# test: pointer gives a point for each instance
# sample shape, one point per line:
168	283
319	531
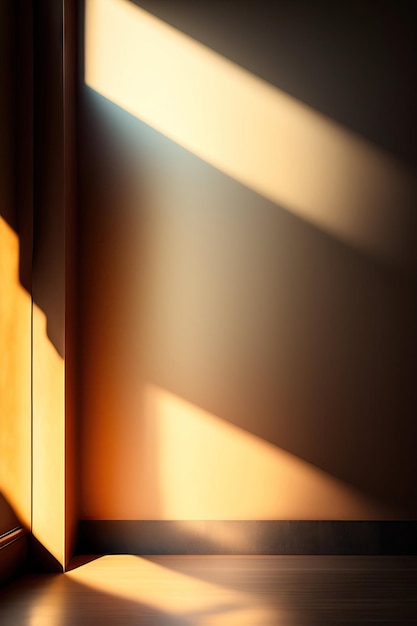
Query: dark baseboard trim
247	537
13	555
12	535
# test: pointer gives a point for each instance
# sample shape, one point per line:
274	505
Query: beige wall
237	359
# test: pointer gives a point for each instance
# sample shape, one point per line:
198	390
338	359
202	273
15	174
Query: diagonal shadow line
298	437
343	47
164	381
331	178
38	156
24	121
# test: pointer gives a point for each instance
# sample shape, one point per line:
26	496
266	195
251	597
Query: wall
54	500
15	326
37	184
15	303
240	357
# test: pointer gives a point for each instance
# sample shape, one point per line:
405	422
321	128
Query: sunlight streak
48	440
15	379
209	468
197	466
250	130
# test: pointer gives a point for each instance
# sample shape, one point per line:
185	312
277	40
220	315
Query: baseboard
247	537
13	554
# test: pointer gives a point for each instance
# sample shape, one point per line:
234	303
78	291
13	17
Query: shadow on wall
198	285
8	518
352	62
12	210
32	266
31	398
30	157
254	133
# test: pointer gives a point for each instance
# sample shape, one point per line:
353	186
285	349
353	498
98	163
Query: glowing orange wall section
15	407
48	440
15	379
176	461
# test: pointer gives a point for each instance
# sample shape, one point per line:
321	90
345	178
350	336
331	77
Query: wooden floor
215	591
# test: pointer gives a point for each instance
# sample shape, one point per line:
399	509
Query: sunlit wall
54	456
37	196
15	380
176	461
48	440
247	302
250	130
15	307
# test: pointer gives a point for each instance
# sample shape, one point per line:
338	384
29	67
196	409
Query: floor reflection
215	591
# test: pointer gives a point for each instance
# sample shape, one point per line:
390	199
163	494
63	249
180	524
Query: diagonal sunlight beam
208	468
31	405
250	130
196	465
